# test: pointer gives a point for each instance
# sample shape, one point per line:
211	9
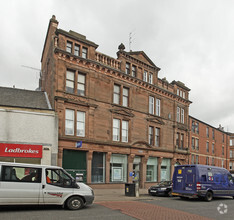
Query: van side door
57	186
20	185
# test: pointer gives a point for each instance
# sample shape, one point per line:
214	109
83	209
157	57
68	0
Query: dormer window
77	50
151	78
127	70
69	47
133	71
145	76
84	52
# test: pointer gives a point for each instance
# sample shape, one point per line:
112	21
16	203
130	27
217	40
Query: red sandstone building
208	145
116	115
231	153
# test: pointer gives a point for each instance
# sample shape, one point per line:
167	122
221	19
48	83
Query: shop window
152	169
98	167
118	168
166	169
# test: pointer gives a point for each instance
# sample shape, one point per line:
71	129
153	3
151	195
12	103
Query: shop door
136	169
75	162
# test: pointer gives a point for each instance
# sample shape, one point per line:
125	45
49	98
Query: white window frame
133	71
151	105
182	115
127	68
178	114
77	50
151	135
124	129
150	78
125	97
80	123
70	81
69	121
69	47
116	98
145	76
81	84
85	52
158	107
157	137
116	129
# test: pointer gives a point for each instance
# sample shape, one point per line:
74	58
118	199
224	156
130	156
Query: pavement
135	207
119	195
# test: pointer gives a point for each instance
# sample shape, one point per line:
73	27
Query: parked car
163	188
202	181
30	184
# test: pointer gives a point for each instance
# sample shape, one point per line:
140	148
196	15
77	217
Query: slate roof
12	97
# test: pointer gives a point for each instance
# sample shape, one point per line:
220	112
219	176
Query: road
149	208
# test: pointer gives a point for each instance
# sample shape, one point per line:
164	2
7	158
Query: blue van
202	181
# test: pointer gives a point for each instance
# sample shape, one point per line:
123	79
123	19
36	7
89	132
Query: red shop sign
20	150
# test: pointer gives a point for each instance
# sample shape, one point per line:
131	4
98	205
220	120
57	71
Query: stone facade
121	112
208	145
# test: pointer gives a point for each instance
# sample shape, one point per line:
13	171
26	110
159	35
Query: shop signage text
20	150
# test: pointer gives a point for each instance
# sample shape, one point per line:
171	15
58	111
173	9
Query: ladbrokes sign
20	150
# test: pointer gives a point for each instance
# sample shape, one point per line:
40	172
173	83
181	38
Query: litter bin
130	189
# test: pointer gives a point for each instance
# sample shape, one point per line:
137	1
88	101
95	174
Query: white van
41	185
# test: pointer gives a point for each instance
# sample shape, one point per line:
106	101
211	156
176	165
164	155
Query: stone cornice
103	69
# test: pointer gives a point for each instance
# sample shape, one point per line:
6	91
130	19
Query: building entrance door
136	168
75	162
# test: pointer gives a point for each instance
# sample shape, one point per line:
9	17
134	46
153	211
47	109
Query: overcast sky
192	41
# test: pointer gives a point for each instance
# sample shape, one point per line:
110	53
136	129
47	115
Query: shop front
21	153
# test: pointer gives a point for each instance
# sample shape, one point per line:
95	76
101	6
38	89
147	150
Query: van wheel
75	203
209	196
